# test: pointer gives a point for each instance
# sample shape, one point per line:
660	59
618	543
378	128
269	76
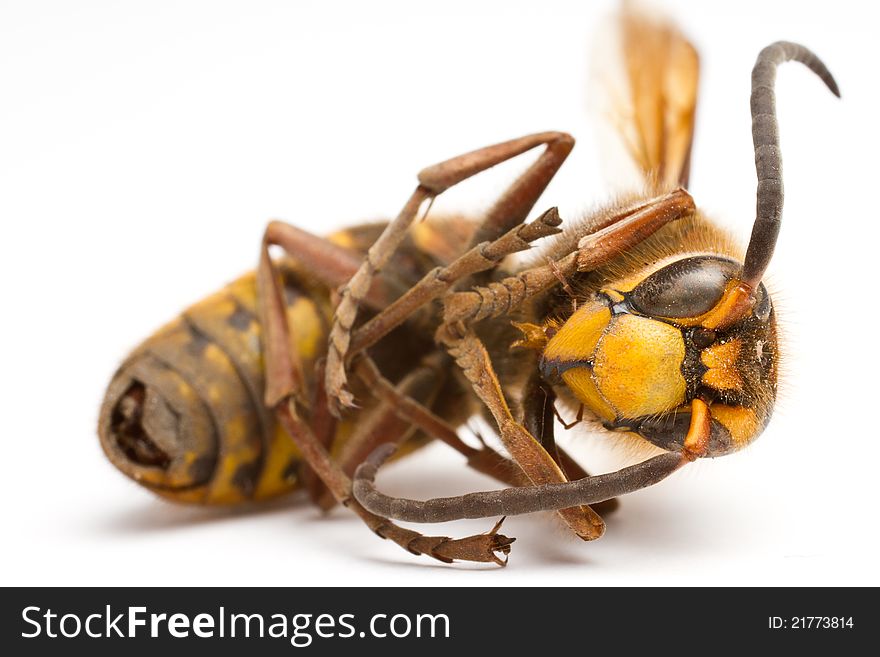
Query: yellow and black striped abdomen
184	416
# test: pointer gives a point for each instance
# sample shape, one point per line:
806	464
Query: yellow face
639	352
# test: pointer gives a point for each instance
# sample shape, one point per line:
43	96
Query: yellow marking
177	476
217	306
222	491
212	379
580	381
189	496
282	451
533	336
637	366
721	355
721	361
428	237
735	304
741	422
696	442
342	238
244	291
306	328
236	429
344	430
577	338
442	237
614	295
218	383
158	477
185	391
629	283
175	484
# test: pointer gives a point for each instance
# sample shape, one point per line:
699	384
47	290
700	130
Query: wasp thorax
638	352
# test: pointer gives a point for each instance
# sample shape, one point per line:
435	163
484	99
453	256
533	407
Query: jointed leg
481	547
285	391
529	499
576	421
333	266
439	280
397	402
482	459
539	466
329	264
323	425
538	415
618	233
382	423
510	211
538	399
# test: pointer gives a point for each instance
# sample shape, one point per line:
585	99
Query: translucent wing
644	87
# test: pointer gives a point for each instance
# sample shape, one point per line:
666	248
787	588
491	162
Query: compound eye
687	288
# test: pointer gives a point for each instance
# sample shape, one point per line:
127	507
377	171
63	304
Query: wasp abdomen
184	414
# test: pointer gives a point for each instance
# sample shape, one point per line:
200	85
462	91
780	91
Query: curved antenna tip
831	83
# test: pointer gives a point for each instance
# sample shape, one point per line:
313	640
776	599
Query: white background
145	144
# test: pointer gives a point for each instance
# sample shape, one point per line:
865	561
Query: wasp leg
538	414
509	211
284	392
613	236
382	423
438	281
333	266
618	233
537	403
478	548
483	459
324	426
471	356
576	421
529	499
324	261
329	263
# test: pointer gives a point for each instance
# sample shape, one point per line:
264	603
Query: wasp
644	318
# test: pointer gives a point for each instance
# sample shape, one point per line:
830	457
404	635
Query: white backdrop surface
143	146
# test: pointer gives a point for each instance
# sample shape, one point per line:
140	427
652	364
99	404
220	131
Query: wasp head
638	354
685	352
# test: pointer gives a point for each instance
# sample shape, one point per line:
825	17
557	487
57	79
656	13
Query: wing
645	75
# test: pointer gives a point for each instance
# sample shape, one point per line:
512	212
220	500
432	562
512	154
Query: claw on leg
479	548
